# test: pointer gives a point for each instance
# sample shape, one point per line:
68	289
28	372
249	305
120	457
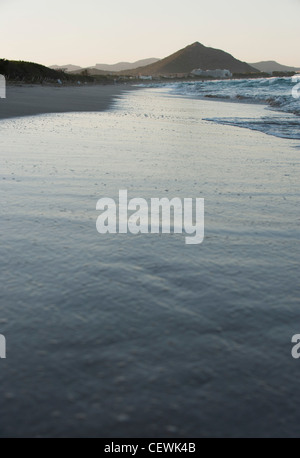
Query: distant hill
67	68
29	72
126	65
192	57
106	68
272	66
90	72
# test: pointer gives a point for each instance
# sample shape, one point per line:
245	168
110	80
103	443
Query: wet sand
118	335
34	100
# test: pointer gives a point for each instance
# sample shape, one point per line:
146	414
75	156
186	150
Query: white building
145	78
213	73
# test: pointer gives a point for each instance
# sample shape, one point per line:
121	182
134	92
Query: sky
95	31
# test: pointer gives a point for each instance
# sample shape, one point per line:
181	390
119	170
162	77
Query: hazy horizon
126	32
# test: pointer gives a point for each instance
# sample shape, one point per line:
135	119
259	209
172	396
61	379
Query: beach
123	335
26	100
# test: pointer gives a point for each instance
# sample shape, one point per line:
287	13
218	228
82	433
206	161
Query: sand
144	336
34	100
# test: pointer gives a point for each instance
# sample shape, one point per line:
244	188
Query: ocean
123	335
281	95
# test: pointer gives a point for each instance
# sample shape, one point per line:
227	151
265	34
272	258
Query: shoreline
34	100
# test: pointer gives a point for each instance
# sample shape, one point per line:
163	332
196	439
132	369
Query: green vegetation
250	75
29	72
283	74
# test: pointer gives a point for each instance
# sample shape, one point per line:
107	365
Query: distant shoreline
28	99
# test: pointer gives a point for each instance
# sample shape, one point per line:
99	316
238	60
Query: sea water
145	336
280	95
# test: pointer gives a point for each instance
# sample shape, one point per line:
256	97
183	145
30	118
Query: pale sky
96	31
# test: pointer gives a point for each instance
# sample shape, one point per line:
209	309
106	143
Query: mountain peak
195	56
197	44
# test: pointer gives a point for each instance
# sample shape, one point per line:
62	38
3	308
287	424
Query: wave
280	126
277	93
